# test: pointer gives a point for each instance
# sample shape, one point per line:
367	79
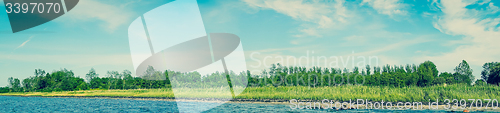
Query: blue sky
398	32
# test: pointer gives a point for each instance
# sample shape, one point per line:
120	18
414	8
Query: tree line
65	80
422	75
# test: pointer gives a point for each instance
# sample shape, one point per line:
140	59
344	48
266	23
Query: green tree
439	80
91	75
4	89
493	76
15	84
38	83
368	70
486	71
427	71
445	75
127	76
464	72
113	77
449	79
82	86
28	84
480	82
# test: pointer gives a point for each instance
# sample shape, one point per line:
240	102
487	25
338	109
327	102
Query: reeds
338	93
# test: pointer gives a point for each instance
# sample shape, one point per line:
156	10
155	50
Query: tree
91	75
464	72
27	84
15	84
127	76
82	86
427	71
439	80
4	89
11	83
112	78
445	75
493	76
480	82
355	70
39	72
368	70
152	74
486	71
449	79
37	82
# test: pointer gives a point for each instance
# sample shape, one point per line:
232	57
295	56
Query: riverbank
338	93
282	95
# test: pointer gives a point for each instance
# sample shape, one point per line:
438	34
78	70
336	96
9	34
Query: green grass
374	93
339	93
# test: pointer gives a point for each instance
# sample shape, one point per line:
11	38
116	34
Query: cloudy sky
95	34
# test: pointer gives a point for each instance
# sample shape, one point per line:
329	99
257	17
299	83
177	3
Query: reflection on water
39	104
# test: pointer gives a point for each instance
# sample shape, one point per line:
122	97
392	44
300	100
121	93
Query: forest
422	75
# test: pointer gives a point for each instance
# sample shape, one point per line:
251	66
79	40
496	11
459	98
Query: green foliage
423	75
4	89
340	93
463	73
480	83
373	93
491	73
439	80
82	86
445	75
426	72
91	75
487	68
64	80
15	84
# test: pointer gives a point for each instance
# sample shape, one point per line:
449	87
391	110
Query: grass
339	93
374	93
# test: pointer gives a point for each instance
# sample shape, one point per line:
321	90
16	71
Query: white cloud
480	35
24	43
387	7
320	18
311	32
297	9
355	38
91	10
397	45
317	15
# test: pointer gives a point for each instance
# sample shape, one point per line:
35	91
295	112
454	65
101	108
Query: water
56	105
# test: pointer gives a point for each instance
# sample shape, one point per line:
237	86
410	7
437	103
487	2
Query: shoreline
263	101
251	101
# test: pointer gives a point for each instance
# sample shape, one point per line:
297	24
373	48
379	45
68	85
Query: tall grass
374	93
338	93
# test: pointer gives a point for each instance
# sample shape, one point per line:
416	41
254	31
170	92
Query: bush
46	90
4	89
480	83
439	80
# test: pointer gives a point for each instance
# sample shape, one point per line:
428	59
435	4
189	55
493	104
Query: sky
325	33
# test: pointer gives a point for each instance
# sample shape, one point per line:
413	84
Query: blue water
56	105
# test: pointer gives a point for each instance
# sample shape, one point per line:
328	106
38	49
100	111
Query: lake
54	105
